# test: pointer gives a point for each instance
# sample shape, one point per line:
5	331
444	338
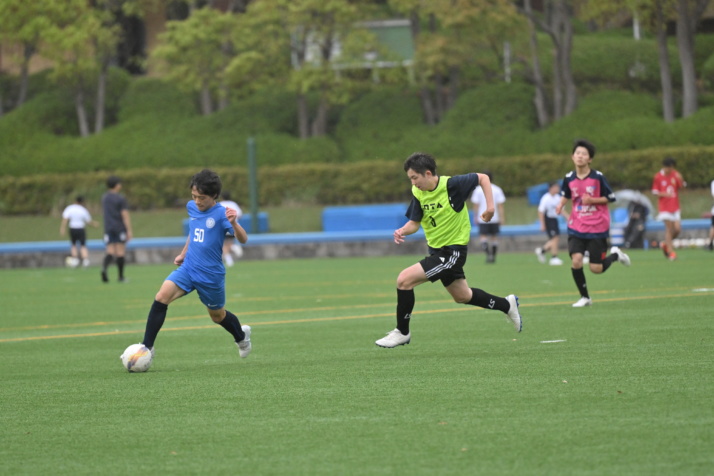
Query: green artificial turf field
622	387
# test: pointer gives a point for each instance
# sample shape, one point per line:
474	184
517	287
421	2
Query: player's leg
120	255
168	293
669	235
110	250
576	249
407	280
82	245
213	296
493	246
462	293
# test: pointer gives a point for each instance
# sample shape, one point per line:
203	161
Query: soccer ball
71	262
137	358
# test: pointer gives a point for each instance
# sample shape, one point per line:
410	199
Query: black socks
405	306
485	300
232	325
156	318
579	277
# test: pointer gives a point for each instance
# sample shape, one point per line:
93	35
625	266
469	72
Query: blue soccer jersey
207	231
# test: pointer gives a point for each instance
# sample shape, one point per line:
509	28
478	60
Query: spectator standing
77	217
117	227
549	224
489	231
665	186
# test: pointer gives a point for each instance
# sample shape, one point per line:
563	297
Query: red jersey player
666	185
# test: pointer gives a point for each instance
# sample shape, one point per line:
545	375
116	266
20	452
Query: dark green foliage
346	183
373	126
153	97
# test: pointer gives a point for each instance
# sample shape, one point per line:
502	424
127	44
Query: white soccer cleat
621	256
514	315
393	339
583	301
244	346
540	254
555	261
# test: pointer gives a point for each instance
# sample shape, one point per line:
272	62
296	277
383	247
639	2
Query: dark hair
113	181
208	182
488	174
583	143
79	199
420	162
669	161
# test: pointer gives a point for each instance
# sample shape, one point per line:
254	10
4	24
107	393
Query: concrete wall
302	245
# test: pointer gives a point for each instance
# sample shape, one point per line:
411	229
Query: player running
439	207
589	221
200	263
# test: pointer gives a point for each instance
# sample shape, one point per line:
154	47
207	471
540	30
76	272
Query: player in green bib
439	207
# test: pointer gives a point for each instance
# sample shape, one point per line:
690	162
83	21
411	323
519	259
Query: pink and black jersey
669	184
588	221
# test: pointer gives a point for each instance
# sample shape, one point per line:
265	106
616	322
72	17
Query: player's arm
559	208
181	256
127	223
409	228
485	184
63	226
502	213
238	231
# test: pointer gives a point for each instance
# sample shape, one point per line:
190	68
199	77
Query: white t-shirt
479	198
233	205
548	203
77	216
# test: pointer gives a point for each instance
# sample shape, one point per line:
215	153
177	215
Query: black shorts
551	227
78	235
489	228
445	264
596	247
114	237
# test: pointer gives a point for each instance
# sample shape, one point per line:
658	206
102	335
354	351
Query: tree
655	14
556	21
689	14
195	53
23	24
652	15
324	40
450	35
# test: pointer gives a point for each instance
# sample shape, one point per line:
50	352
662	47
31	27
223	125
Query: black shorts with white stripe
445	264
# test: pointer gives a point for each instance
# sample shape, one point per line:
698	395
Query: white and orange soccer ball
137	358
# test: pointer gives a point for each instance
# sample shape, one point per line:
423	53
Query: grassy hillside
151	123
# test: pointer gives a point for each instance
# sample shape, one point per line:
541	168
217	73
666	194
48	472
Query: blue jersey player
200	263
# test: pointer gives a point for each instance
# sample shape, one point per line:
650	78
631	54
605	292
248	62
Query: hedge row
332	184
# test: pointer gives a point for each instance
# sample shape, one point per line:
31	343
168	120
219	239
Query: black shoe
105	279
